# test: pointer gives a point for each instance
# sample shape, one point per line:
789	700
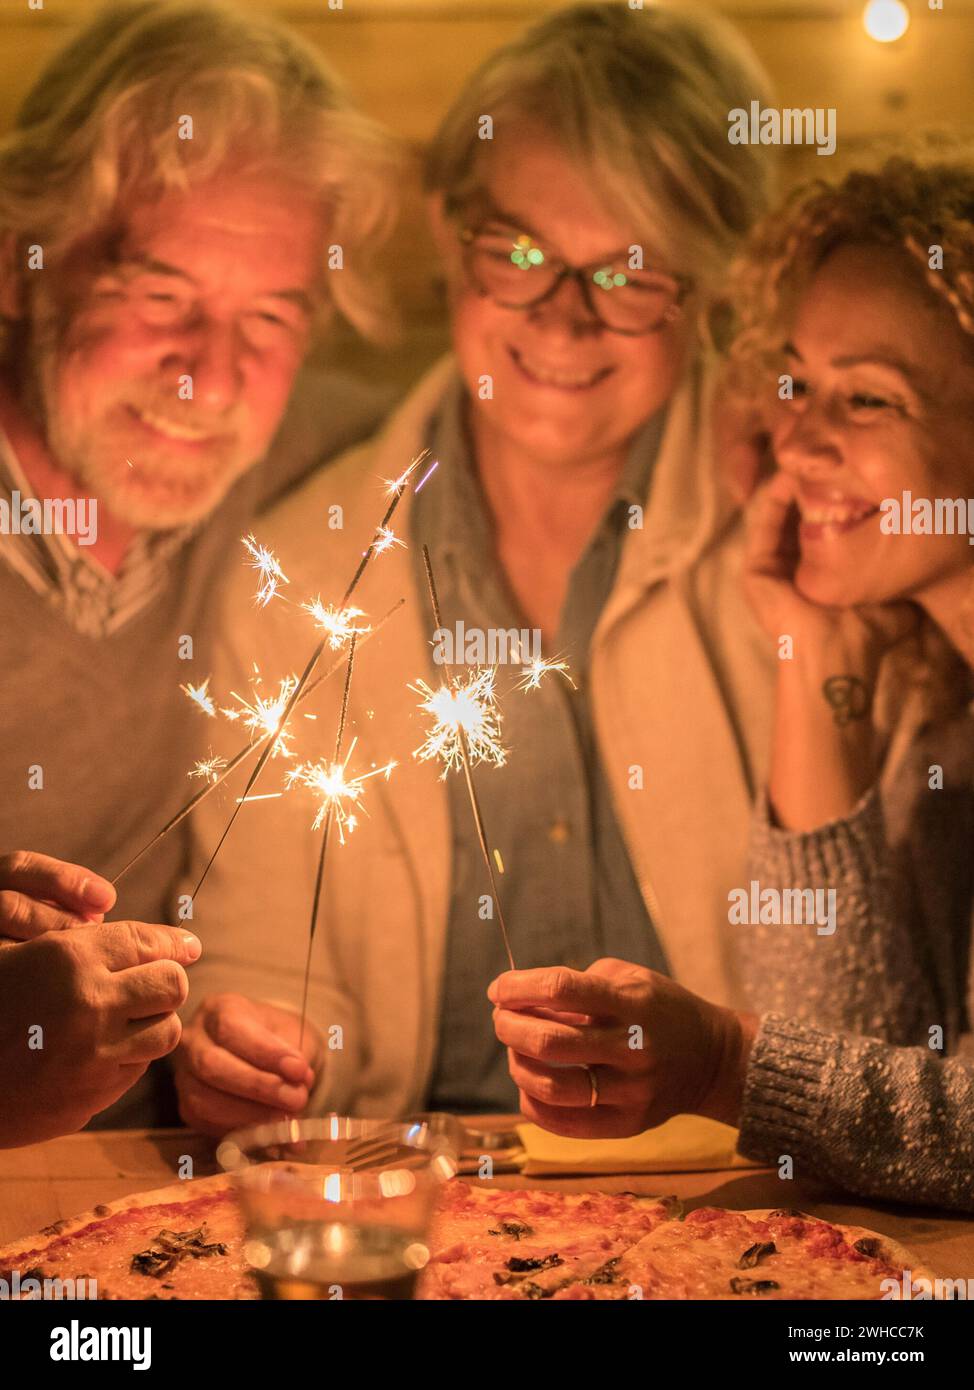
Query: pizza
754	1255
178	1242
524	1243
186	1241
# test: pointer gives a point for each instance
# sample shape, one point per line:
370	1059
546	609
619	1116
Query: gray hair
98	132
641	99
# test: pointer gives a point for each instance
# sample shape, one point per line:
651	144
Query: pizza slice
495	1243
184	1241
766	1254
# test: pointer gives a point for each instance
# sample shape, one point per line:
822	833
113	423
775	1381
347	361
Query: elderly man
175	185
586	202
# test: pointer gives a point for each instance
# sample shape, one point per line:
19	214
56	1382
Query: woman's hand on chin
853	638
826	750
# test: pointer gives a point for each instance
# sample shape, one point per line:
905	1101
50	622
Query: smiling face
565	388
884	404
216	285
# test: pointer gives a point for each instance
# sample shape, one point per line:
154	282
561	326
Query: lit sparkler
396	486
200	695
242	754
263	715
532	674
340	795
270	573
386	540
395	496
333	805
339	624
464	713
208	769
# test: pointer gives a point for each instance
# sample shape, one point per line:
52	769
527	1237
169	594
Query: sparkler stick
224	771
468	775
395	493
329	815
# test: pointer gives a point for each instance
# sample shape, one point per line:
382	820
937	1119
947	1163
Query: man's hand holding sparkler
616	1049
84	1012
39	894
242	1062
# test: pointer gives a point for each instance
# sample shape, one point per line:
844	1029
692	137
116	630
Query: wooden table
45	1182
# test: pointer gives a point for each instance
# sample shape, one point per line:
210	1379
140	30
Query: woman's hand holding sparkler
617	1049
242	1062
84	1013
39	894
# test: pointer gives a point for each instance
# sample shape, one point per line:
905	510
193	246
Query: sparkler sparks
335	640
239	757
270	572
458	723
385	540
394	486
208	769
466	710
263	715
340	794
532	674
200	696
339	624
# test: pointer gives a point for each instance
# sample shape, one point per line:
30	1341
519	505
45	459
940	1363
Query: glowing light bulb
886	20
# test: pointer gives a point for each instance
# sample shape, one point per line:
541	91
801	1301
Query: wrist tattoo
849	697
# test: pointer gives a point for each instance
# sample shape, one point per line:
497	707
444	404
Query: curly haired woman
857	317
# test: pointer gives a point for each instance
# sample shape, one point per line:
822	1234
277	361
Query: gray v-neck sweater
103	719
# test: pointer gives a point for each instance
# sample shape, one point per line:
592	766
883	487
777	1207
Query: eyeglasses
516	273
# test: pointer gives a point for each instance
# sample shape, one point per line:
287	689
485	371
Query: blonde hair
641	100
904	203
98	132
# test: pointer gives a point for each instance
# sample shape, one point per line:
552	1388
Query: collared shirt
568	891
94	601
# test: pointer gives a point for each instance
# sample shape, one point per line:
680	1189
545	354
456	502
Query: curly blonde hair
905	203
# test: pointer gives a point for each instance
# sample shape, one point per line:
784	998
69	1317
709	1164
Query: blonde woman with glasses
586	203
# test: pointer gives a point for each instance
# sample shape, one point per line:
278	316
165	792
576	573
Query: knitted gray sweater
867	1112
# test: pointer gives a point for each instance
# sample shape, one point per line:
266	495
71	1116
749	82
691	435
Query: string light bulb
886	20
